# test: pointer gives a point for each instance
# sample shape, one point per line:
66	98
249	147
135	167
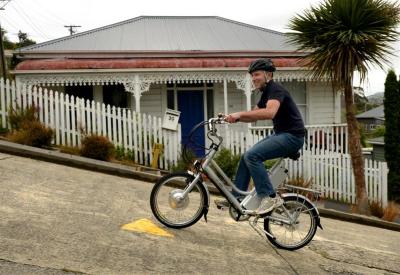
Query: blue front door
191	106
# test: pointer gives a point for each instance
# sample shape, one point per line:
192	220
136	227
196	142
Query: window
171	99
115	95
298	92
210	103
85	92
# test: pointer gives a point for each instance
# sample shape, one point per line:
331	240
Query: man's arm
268	112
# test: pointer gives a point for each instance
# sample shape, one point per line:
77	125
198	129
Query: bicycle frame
209	165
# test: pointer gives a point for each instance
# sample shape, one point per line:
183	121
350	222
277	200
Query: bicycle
179	200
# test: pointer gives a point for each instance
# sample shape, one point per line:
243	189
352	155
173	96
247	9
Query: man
276	104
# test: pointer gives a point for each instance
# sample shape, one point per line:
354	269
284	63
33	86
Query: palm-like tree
343	37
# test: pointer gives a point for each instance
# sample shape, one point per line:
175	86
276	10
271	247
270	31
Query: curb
360	219
76	161
129	172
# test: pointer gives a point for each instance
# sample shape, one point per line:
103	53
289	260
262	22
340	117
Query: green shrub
120	153
124	154
378	132
19	116
97	147
32	133
363	136
227	161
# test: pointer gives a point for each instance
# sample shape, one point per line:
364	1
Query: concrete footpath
152	175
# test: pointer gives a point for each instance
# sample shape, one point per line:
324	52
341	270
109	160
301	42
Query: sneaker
268	204
222	204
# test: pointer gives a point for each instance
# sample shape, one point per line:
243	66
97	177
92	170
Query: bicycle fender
307	200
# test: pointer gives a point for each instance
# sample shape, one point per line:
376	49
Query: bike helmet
262	64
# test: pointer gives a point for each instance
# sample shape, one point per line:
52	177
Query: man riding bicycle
276	104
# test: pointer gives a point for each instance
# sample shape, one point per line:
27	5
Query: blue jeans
252	162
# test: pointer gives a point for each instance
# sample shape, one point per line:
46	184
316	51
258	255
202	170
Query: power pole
71	28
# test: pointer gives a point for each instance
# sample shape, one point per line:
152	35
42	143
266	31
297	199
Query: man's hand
233	118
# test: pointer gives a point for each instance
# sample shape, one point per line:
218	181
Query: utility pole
71	28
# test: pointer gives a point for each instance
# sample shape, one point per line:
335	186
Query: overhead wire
28	20
46	12
7	1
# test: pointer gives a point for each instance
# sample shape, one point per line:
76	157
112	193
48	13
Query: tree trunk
356	152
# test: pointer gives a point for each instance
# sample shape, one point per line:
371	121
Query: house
197	65
378	151
372	118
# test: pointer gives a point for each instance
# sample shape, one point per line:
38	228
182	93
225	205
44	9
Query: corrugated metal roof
378	140
170	33
377	112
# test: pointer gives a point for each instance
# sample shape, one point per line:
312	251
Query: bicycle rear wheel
169	205
300	232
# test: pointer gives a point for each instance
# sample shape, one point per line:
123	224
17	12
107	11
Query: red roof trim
146	63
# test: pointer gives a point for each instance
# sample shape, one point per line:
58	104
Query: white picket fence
68	116
332	174
331	137
325	160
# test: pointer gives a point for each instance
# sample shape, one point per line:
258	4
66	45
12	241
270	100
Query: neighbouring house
371	119
197	65
378	148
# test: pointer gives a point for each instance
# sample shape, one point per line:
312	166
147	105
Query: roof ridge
69	37
249	25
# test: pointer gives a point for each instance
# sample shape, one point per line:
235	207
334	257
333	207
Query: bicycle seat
294	156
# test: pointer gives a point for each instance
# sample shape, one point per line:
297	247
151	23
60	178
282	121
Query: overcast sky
45	19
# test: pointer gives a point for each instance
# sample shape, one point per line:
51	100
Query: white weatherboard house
196	65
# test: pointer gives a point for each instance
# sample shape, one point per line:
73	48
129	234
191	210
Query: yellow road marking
146	226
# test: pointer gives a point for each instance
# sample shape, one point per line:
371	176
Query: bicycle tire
203	206
310	234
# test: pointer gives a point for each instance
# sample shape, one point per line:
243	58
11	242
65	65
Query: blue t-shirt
288	118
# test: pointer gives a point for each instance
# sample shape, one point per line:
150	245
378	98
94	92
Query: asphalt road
62	220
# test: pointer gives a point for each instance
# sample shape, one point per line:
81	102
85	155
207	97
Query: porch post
98	93
137	93
227	134
249	141
225	97
248	92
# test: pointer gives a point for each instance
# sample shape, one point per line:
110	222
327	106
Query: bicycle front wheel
293	224
173	209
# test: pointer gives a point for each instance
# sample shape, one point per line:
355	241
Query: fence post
3	104
384	181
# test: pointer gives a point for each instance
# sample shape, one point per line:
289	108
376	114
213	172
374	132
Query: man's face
259	79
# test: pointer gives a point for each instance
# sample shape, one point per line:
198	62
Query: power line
5	4
26	18
45	11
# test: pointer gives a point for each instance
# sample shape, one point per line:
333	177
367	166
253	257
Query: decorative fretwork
145	79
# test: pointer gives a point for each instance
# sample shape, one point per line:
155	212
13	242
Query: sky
44	20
